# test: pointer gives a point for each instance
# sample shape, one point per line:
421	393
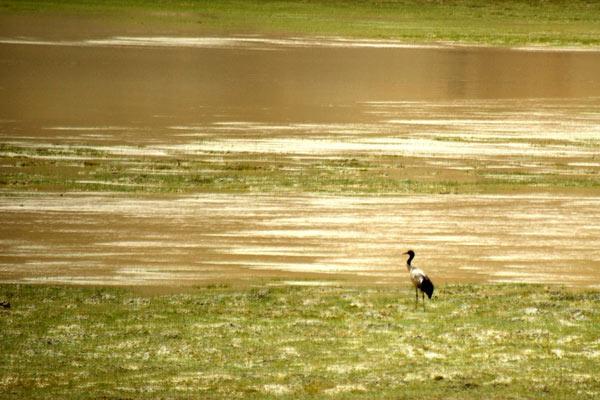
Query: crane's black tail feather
427	287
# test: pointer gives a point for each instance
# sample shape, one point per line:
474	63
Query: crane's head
411	255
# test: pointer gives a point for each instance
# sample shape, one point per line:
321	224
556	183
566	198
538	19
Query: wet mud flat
203	239
180	161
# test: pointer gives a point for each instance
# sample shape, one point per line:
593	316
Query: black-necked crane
419	279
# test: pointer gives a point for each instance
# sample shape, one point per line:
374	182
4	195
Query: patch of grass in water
549	180
473	341
26	168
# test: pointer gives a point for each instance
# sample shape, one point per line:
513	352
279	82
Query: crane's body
419	279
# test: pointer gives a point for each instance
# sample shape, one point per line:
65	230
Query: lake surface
304	98
107	239
160	82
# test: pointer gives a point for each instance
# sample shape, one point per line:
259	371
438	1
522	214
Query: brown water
206	238
155	84
170	96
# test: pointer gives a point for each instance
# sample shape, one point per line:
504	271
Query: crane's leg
423	294
416	297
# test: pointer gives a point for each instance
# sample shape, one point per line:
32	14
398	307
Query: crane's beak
405	253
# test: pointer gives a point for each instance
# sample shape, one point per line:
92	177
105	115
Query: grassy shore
471	21
278	341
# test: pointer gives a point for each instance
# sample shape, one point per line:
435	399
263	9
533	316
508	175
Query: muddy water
170	96
199	239
154	84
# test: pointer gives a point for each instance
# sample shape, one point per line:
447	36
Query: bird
419	279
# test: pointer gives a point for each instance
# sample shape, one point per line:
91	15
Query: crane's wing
427	286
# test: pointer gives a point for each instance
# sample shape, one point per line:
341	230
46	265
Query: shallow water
145	87
120	240
444	106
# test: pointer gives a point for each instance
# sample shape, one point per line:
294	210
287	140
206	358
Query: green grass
472	342
73	168
471	21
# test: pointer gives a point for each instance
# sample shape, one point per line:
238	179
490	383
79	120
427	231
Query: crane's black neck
410	257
